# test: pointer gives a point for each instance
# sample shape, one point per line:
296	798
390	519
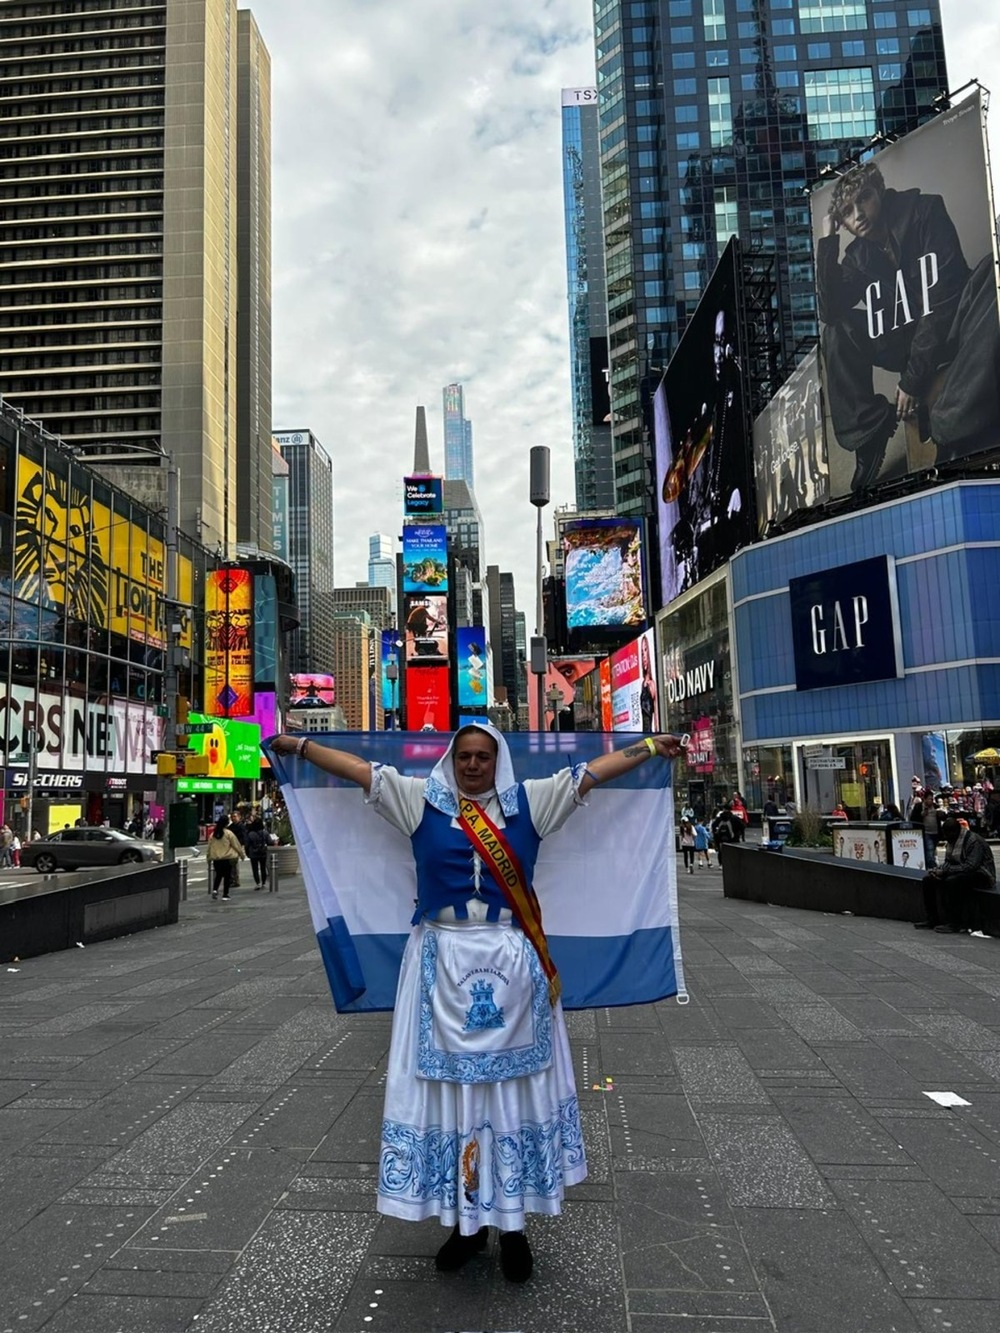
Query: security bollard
183	867
272	870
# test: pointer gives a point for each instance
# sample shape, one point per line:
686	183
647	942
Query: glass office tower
716	115
586	293
457	436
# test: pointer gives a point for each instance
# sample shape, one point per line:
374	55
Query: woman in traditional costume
481	1123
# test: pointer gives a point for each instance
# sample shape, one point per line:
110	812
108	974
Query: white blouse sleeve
398	799
552	800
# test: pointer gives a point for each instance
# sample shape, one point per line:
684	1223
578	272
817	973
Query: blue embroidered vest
443	856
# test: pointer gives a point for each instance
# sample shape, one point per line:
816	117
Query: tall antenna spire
421	451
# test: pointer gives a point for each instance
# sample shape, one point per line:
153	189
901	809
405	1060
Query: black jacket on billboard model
907	301
889	302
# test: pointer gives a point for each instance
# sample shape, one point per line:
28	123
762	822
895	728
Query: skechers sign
845	625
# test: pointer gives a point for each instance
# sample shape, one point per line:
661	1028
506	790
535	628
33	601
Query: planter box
58	911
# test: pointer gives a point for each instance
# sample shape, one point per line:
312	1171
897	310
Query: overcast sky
418	239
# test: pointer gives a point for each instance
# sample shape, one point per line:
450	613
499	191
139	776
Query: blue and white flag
606	880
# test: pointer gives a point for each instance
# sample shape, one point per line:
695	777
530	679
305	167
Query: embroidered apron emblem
484	1013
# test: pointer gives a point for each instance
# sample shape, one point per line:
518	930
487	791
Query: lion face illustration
58	560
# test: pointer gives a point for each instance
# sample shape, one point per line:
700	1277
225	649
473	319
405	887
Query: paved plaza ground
189	1136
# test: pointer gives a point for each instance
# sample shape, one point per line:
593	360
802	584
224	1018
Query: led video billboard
233	748
229	674
470	652
703	467
427	699
312	690
422	495
789	449
425	557
426	629
907	300
602	558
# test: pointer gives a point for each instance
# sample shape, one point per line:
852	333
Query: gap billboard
907	301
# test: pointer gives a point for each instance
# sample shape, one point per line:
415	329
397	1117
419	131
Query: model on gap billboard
702	458
908	306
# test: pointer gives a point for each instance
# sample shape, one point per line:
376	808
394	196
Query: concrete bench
58	911
818	881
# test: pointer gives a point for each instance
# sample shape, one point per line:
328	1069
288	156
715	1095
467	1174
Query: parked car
76	847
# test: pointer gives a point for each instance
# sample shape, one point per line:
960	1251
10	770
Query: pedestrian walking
702	838
687	845
256	850
481	1122
224	851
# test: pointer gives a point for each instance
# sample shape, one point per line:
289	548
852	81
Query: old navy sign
845	625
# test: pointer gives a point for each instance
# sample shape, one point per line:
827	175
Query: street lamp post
392	676
539	494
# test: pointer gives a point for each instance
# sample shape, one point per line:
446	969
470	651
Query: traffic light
182	709
166	765
196	765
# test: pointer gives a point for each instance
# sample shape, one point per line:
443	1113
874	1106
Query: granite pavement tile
952	1153
761	1162
818	1275
838	1130
927	1247
718	1074
124	1314
955	1316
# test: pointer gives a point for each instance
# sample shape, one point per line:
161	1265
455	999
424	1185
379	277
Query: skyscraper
715	117
382	564
457	436
310	548
586	291
120	239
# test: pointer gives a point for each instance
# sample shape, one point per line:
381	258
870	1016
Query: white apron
473	1152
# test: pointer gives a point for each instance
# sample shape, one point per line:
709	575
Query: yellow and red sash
497	853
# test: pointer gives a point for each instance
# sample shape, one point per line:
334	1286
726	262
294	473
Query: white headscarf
442	786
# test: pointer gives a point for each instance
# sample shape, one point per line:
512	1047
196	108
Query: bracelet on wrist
300	748
650	744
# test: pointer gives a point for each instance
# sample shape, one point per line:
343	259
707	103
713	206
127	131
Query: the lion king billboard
80	555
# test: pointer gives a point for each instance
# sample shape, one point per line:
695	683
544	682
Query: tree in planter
809	830
282	826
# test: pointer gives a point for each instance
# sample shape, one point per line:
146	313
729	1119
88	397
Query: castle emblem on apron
483	1014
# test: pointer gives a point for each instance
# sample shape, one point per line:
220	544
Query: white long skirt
476	1154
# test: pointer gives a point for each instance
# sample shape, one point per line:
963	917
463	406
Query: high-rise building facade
586	293
254	519
122	146
457	436
382	564
503	632
375	602
310	548
716	115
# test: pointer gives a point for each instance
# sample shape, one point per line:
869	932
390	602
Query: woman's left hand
669	746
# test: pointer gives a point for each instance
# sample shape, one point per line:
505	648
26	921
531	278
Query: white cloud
418	239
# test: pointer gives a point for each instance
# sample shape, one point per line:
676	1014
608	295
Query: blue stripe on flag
595	972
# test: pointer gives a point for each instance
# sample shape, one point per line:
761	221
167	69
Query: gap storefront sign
944	547
845	624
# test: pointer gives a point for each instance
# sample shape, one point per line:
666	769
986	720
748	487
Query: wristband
300	748
650	744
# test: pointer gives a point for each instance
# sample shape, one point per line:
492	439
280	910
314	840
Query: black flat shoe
458	1249
516	1262
924	925
949	930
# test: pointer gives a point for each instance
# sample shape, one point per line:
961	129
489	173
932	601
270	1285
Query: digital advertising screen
633	686
470	652
704	482
789	449
907	301
312	690
427	699
233	748
425	557
390	654
422	495
229	648
426	628
602	558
